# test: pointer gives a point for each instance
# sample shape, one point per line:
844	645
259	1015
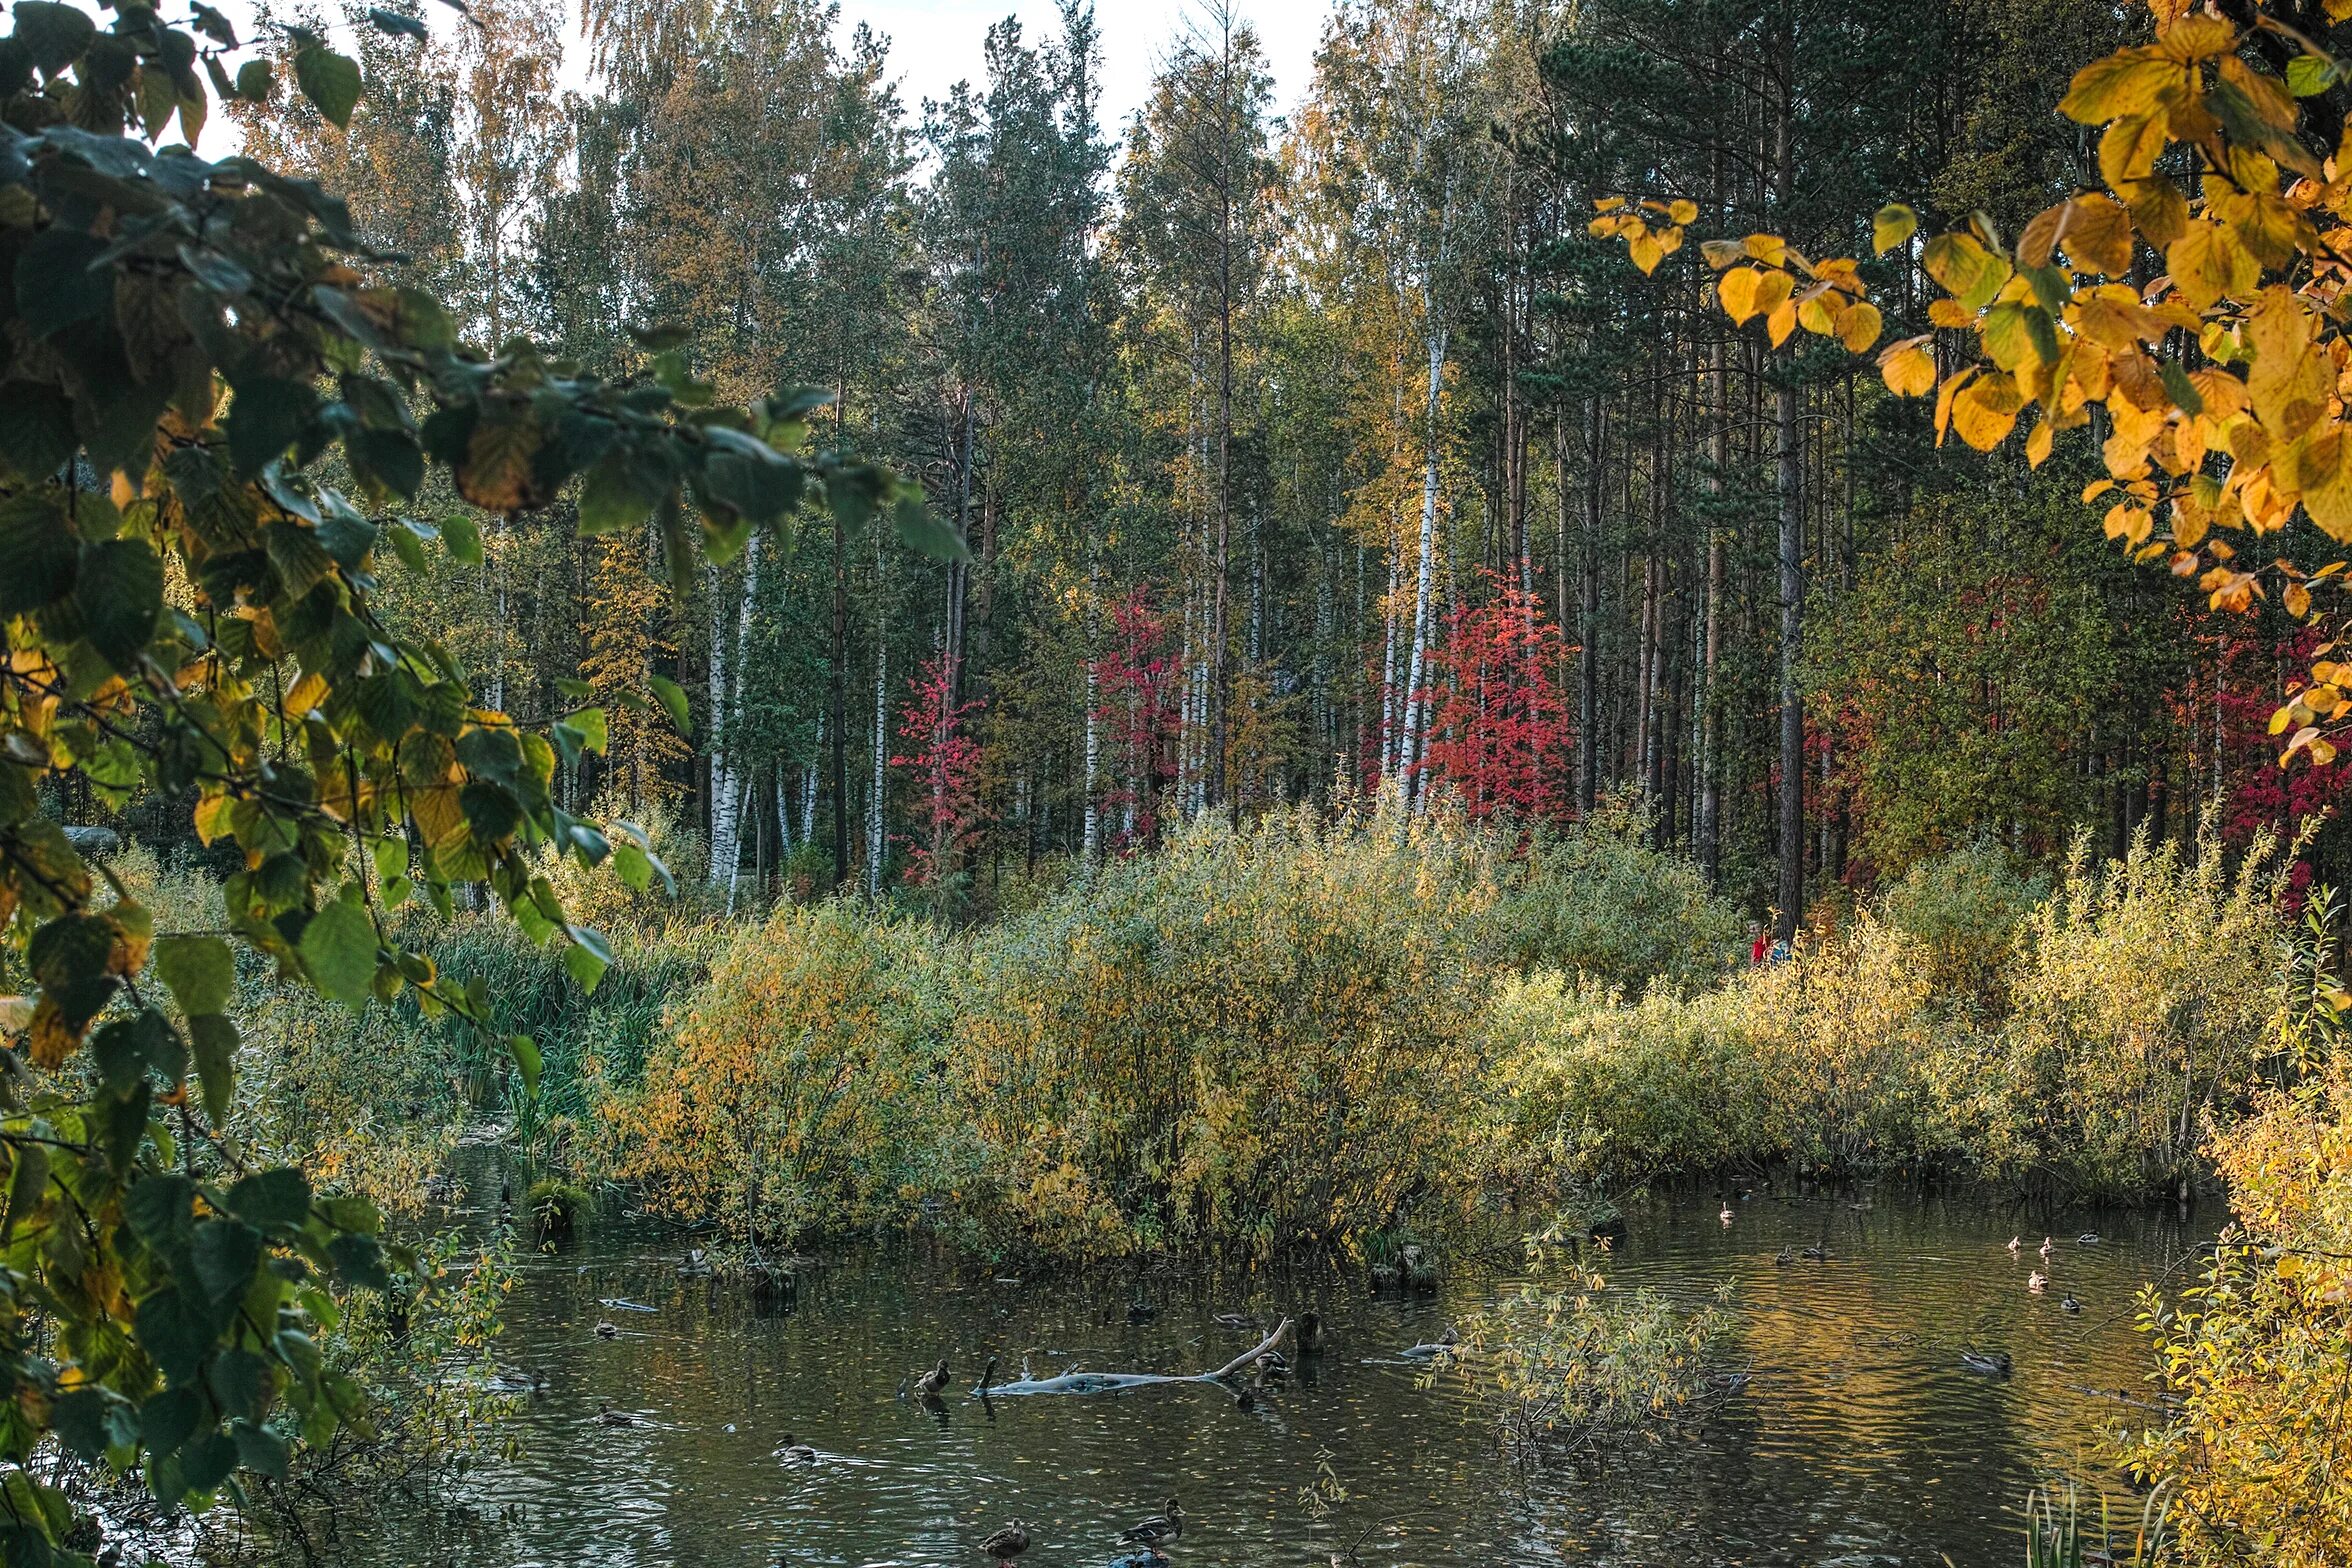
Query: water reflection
1862	1438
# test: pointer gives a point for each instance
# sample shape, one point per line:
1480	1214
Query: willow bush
1262	1036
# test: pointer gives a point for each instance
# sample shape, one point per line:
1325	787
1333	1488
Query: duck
1310	1330
1785	1256
1442	1345
611	1417
1815	1254
1165	1525
1726	1215
1007	1542
1992	1363
931	1382
2036	1280
608	1330
2089	1238
1237	1320
796	1452
517	1380
2016	1243
1141	1311
2048	1246
2069	1304
695	1263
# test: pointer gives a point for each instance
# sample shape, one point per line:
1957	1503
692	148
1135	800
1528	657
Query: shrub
1593	899
803	1090
1963	911
1262	1037
2142	997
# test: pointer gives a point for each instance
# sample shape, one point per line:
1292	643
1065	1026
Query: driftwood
1121	1382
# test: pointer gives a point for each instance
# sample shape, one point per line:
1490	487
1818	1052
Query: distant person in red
1760	947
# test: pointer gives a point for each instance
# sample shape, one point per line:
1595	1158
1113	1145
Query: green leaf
177	1333
225	1252
618	493
200	970
61	280
462	539
253	81
328	80
214	1041
525	1051
120	596
28	1186
673	701
52	36
266	416
161	1209
2309	75
339	949
585	966
37	541
590	723
632	867
36	428
396	23
272	1198
921	530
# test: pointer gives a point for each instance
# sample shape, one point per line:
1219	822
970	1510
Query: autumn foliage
1501	737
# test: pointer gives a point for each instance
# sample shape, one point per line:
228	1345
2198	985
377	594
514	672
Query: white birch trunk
1425	566
722	647
732	794
874	824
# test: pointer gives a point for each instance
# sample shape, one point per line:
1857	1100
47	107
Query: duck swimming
608	1331
1442	1345
1165	1525
2036	1280
2014	1244
1992	1363
796	1452
931	1382
2047	1247
611	1417
2069	1304
1785	1256
1008	1542
1726	1215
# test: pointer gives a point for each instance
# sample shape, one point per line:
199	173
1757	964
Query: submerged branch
1120	1382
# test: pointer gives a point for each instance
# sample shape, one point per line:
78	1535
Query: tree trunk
1426	562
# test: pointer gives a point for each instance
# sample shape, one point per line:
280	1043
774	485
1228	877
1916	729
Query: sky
935	43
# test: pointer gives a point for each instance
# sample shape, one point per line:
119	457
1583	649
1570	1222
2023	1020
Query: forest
1547	726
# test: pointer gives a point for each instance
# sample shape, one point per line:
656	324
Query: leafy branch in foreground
2197	301
188	612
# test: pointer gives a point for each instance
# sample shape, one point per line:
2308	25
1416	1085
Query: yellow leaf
1608	203
2297	599
2158	208
2098	236
1736	292
1859	326
1781	323
1769	249
1722	253
2040	236
1968	272
1683	210
1986	411
1894	225
1909	371
2209	263
2037	443
1817	313
2323	472
1950	313
2197	36
2129	149
1646	251
2127	82
1944	398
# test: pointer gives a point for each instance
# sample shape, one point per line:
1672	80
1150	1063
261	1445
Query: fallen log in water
1120	1382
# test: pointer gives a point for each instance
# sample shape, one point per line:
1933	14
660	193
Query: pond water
1862	1439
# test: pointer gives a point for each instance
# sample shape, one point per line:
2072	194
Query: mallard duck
1726	1215
608	1331
1785	1256
2089	1238
695	1263
611	1417
2069	1304
1309	1328
1992	1363
796	1452
1815	1254
517	1380
1237	1320
1008	1542
2048	1246
2036	1281
1165	1525
1141	1311
931	1382
2015	1243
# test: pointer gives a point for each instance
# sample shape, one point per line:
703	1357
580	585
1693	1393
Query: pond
1862	1438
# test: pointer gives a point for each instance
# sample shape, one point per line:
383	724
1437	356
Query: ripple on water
1861	1440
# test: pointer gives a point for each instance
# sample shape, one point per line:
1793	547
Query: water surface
1861	1440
